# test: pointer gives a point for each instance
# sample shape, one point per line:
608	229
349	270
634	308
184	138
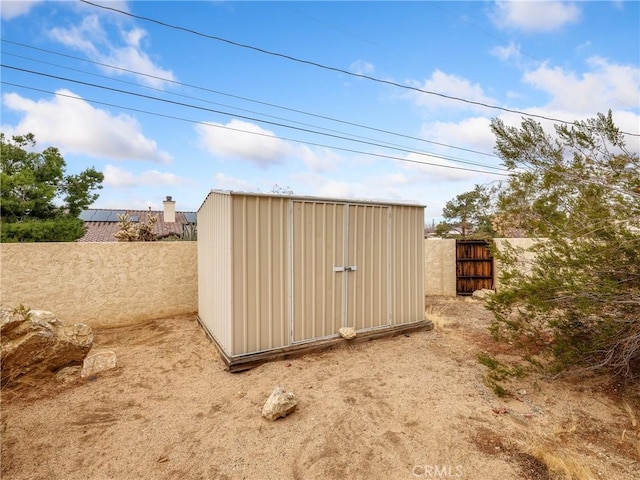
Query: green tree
578	303
468	215
39	202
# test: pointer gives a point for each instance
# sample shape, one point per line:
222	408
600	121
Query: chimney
169	210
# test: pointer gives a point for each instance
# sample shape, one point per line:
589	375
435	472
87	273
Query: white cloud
92	39
9	10
155	177
506	52
227	182
450	85
607	85
323	186
243	140
119	177
318	159
75	126
534	16
472	133
430	169
360	67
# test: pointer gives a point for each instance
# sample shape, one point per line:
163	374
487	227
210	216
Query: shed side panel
260	267
214	267
407	270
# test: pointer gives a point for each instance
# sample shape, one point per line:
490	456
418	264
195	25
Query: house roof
102	224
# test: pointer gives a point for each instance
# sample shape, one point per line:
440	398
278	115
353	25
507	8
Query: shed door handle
347	268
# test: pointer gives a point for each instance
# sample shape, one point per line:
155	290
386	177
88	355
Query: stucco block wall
440	267
440	263
525	257
101	284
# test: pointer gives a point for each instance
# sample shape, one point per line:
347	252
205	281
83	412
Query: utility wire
334	69
175	82
391	144
208	124
197	107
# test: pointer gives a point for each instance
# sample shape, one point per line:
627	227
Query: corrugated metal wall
215	268
407	272
260	272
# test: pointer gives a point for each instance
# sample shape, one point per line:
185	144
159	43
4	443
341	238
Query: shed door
340	263
368	233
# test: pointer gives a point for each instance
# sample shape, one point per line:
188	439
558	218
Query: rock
482	294
98	361
279	404
35	343
68	374
347	333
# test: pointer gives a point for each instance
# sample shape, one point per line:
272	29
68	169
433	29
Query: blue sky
166	111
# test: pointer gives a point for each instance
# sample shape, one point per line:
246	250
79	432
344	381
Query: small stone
347	333
279	404
97	362
482	293
521	392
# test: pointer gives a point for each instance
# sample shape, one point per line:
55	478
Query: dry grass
560	464
631	412
441	321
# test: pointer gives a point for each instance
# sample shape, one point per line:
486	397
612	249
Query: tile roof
103	231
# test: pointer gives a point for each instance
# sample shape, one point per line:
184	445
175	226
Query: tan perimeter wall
525	257
440	267
101	284
440	263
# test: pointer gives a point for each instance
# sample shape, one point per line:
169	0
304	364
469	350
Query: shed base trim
252	360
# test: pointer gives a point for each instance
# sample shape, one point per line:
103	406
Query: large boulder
34	343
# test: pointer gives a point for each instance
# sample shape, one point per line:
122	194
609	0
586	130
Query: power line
391	144
302	112
220	112
199	122
334	69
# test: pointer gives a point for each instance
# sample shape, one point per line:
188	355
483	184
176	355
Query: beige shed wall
440	267
407	265
101	284
215	268
260	278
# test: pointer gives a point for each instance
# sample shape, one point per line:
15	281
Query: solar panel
100	216
190	216
113	215
135	218
85	215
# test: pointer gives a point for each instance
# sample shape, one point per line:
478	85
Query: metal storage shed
279	275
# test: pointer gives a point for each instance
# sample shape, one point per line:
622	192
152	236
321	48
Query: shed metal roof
304	198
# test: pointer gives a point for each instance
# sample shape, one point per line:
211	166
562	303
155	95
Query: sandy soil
401	408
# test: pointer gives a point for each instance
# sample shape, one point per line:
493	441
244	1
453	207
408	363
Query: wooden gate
474	266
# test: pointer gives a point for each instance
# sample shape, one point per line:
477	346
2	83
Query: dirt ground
401	408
